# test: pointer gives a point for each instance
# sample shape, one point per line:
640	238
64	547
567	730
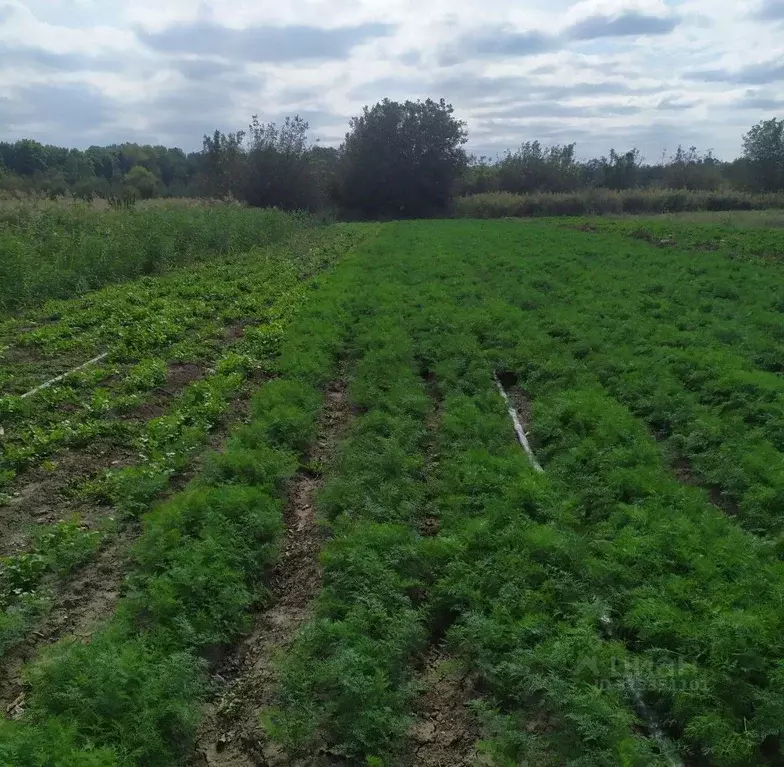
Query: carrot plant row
612	613
691	340
347	682
132	695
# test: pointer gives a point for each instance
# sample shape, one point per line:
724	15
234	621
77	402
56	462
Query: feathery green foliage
570	594
131	696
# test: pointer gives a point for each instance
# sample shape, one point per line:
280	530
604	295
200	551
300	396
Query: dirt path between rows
445	731
231	733
43	496
83	600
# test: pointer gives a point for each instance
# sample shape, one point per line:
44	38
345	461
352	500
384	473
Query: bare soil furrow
231	734
447	730
81	606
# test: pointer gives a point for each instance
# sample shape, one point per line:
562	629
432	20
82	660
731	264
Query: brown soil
236	330
89	595
523	404
521	400
683	470
82	604
180	374
446	731
231	734
644	234
44	499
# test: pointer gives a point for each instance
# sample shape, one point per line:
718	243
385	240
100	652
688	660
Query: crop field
284	516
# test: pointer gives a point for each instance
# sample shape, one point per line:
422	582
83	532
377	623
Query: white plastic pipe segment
630	683
518	426
67	373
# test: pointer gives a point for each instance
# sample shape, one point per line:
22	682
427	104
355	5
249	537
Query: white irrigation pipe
67	373
657	734
518	426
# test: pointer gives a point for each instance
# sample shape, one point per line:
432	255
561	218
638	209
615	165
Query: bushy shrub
600	202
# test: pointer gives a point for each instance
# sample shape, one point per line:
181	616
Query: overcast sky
602	73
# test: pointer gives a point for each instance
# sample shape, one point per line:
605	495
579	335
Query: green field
288	521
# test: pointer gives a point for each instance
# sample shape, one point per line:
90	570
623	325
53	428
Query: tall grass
56	251
608	202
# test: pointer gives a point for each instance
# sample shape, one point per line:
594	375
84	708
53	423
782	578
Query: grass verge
58	252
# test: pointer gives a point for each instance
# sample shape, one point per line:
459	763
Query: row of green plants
166	446
132	696
605	202
690	339
348	679
144	326
598	604
59	252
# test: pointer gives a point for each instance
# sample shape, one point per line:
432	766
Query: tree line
397	159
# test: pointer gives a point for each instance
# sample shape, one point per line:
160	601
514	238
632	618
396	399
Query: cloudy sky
602	73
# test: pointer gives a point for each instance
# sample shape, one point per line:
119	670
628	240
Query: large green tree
279	171
402	159
763	148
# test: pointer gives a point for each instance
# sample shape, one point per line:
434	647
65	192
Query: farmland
286	520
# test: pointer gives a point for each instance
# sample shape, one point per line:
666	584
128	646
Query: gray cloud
656	139
540	109
387	87
22	55
64	114
752	101
608	88
548	108
182	115
676	105
754	74
274	44
201	69
629	24
463	89
70	105
503	42
486	132
770	10
468	90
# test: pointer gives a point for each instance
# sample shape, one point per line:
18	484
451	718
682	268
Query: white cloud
599	72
